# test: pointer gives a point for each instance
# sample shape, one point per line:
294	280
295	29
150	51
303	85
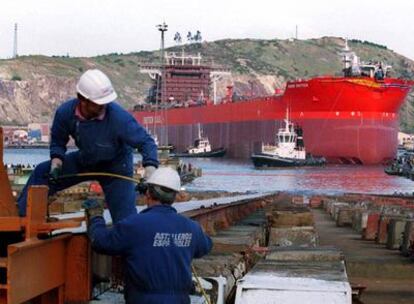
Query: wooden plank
36	209
7	202
36	267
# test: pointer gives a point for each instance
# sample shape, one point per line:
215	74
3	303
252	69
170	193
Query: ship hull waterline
263	160
214	153
367	141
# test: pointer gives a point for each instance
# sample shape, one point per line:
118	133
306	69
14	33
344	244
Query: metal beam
7	202
35	267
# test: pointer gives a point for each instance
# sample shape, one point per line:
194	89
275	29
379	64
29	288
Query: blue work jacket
158	246
101	141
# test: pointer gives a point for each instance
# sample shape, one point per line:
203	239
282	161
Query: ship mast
287	119
162	28
199	130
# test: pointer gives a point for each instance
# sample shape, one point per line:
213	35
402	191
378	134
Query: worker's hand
148	171
55	169
93	208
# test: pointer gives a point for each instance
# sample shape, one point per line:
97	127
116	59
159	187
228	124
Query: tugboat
402	165
202	148
289	152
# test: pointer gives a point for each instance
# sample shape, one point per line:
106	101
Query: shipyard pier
274	227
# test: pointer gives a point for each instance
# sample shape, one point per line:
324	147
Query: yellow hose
101	174
137	182
199	284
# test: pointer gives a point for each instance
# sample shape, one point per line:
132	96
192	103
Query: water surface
232	175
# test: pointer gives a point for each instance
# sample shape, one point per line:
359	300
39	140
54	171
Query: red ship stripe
193	117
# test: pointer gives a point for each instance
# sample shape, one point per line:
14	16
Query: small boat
393	170
202	148
402	165
289	152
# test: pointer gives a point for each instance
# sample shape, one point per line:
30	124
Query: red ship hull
351	120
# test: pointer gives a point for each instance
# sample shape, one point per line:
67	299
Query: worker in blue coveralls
105	135
158	244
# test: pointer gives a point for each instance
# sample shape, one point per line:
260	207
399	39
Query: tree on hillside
197	37
189	37
177	38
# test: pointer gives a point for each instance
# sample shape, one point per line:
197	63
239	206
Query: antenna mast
15	42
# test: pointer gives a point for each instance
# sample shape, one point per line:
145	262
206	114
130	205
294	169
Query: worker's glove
142	186
93	208
55	170
148	171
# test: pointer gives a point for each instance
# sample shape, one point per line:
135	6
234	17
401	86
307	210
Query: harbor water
223	174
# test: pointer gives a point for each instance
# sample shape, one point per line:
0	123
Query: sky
92	27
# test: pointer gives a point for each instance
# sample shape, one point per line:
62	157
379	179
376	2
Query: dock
386	274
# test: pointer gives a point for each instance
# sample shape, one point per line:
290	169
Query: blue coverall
158	246
104	146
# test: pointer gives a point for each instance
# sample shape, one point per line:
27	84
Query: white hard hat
96	86
166	177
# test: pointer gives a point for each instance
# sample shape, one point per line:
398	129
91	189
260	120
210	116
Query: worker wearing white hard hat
105	135
94	92
164	184
158	244
95	86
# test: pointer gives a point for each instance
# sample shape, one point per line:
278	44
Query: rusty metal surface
211	213
221	217
35	267
11	223
233	253
38	270
7	203
76	263
36	209
78	285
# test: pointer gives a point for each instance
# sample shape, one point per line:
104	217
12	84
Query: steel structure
42	267
33	266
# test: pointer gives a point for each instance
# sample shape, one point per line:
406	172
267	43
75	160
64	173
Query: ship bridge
183	79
